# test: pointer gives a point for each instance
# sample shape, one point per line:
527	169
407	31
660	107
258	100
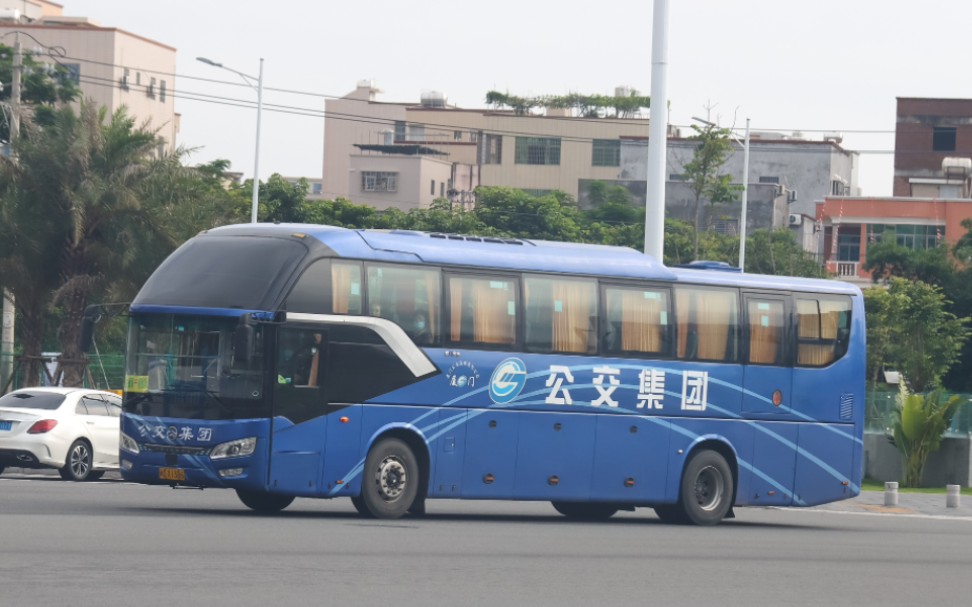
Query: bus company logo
463	374
507	381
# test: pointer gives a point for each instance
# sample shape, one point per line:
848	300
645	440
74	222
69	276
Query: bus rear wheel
391	479
261	501
706	490
585	511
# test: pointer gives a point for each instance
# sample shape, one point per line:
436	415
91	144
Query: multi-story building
112	67
932	147
932	190
406	155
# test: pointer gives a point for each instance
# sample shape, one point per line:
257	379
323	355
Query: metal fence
105	372
881	407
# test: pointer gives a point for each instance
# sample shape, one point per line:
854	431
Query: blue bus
392	367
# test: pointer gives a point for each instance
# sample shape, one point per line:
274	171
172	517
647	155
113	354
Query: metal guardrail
106	372
881	406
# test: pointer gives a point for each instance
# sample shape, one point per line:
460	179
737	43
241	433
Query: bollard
952	493
891	494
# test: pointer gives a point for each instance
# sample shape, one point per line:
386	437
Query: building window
849	246
379	181
606	153
432	189
676	177
316	189
150	90
162	91
124	80
915	237
838	188
537	150
943	139
441	189
457	135
400	133
766	179
492	149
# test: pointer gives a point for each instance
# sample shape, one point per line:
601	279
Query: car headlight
127	443
234	448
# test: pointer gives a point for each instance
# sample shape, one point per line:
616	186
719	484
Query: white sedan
74	430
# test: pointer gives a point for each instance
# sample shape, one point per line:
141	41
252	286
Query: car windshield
194	367
32	400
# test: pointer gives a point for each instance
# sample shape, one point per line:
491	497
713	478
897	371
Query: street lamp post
256	161
745	191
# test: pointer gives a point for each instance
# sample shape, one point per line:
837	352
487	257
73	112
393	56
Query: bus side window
561	315
823	330
299	358
637	320
707	324
482	310
408	296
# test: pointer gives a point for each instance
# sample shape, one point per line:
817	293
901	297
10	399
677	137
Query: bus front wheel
261	501
706	490
585	511
391	479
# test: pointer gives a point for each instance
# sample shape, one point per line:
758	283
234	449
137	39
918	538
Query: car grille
177	449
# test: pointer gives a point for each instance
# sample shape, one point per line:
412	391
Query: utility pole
9	309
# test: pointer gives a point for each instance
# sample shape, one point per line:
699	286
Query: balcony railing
847	268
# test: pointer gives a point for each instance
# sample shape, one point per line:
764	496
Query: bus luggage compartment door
489	465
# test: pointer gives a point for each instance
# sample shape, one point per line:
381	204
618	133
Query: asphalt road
111	543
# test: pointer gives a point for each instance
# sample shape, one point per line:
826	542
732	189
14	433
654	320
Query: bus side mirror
243	343
92	314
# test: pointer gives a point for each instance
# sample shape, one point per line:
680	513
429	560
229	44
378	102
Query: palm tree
80	227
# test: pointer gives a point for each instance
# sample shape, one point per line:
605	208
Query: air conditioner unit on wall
796	219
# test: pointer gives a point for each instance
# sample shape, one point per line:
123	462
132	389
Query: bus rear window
823	330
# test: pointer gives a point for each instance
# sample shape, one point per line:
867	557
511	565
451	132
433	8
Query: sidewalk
923	504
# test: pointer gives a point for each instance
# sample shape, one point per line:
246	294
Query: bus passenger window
561	315
309	294
707	320
482	310
408	296
823	330
637	321
765	331
345	288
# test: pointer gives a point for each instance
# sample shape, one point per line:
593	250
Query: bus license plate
172	474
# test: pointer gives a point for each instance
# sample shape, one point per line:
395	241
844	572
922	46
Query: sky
827	66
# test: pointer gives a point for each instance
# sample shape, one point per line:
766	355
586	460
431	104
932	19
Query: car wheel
391	479
78	464
261	501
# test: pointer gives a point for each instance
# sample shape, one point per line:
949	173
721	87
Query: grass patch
870	484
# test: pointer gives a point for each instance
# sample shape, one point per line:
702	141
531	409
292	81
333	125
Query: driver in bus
420	329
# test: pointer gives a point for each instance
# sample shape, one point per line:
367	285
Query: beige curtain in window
765	331
341	275
813	327
573	323
492	323
641	328
705	320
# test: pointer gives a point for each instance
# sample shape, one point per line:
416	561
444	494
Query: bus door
767	391
299	409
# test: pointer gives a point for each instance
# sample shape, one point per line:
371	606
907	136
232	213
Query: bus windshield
194	367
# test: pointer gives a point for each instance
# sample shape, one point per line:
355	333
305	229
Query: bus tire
263	502
391	479
586	511
706	489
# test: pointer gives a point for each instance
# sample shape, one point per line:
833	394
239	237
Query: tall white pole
9	315
745	192
657	134
256	160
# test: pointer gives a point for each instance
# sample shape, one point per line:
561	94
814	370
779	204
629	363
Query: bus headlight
234	448
127	443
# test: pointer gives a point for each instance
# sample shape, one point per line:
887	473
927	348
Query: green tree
43	86
283	201
777	252
702	172
513	212
74	220
911	330
920	424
